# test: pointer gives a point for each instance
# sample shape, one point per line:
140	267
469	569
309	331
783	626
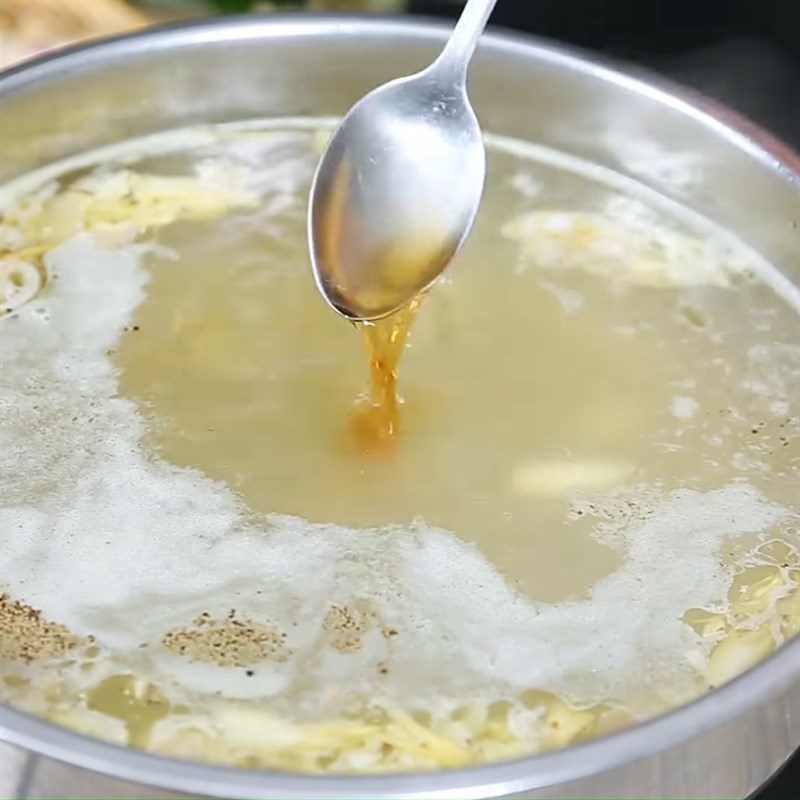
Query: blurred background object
742	52
31	27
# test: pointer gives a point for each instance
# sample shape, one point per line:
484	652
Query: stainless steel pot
722	745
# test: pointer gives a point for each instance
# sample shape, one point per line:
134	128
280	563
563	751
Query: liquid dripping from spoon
375	420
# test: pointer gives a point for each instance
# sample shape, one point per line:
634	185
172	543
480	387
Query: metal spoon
398	188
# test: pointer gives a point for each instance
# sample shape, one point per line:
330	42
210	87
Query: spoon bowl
397	191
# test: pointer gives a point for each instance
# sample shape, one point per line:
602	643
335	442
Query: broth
571	504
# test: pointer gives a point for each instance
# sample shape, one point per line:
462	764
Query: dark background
745	53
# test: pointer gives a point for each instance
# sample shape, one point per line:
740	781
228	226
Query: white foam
683	407
626	246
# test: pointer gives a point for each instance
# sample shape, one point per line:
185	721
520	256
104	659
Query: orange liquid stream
375	420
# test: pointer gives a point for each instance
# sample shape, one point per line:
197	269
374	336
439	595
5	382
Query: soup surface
587	512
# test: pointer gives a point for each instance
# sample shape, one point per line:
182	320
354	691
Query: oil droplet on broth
134	701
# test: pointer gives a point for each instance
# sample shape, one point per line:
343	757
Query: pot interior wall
289	65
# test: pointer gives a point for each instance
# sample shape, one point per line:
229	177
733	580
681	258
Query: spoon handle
459	49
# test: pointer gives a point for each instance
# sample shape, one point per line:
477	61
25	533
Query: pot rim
638	741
